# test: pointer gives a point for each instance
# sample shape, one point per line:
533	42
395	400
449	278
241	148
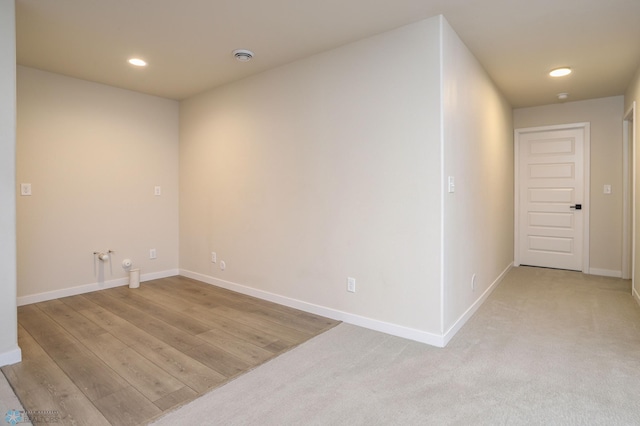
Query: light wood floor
125	356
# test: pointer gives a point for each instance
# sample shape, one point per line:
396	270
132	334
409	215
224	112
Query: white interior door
551	197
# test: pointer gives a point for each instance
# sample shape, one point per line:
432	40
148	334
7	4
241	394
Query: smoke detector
243	55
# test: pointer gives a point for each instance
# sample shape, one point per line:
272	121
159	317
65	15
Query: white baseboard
605	272
12	356
382	326
87	288
473	308
157	275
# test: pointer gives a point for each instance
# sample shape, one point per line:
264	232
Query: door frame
628	191
586	127
630	152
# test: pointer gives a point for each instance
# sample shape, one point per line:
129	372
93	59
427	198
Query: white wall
478	153
605	116
333	166
325	168
9	351
93	155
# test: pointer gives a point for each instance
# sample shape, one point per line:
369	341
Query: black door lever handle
576	207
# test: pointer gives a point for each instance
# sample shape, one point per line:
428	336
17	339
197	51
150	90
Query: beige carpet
548	347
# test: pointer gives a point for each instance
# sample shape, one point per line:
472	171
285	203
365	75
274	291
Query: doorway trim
628	191
586	127
629	225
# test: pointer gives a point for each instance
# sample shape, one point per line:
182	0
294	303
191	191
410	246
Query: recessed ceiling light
137	62
243	55
560	72
563	96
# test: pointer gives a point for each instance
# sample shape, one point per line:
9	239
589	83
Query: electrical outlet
157	190
351	284
152	254
25	189
223	265
214	257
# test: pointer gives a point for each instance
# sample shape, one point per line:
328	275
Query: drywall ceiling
188	43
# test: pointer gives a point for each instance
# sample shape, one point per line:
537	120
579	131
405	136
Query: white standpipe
134	274
134	278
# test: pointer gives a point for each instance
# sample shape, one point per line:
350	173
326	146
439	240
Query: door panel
540	171
551	244
551	169
551	220
551	195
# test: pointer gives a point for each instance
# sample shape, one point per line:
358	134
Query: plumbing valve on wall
103	256
99	260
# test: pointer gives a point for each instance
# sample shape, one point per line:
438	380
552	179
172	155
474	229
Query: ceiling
188	43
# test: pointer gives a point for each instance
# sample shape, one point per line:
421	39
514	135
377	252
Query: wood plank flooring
125	356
